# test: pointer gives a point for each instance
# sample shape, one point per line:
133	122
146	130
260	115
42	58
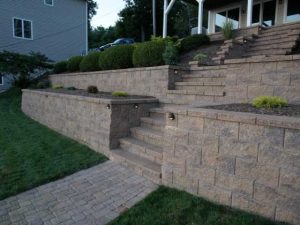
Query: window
49	2
293	11
227	15
22	28
1	80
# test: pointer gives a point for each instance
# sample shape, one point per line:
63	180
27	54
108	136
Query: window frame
47	4
285	12
226	9
23	31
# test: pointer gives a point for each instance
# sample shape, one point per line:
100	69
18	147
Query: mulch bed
80	92
290	110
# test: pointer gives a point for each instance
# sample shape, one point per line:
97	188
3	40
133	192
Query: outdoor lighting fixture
175	71
108	106
136	106
171	116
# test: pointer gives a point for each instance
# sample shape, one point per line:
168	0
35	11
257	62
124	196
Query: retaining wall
87	119
151	81
247	161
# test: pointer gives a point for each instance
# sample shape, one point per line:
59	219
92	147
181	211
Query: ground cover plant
227	29
269	102
31	154
172	207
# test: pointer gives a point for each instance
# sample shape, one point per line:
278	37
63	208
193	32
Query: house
55	28
243	13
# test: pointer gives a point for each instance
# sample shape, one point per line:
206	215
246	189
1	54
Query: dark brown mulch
290	110
80	92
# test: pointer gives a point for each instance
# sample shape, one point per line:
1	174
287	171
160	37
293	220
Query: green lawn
172	207
31	154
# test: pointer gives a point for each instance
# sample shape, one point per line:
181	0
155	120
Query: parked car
120	41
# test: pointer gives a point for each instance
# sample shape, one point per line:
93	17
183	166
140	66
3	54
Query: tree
92	7
23	68
100	36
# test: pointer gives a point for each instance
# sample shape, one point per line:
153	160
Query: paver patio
93	196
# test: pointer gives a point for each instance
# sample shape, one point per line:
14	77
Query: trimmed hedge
192	42
118	57
149	54
60	67
90	62
74	63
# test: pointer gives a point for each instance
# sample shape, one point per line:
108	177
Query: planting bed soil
80	92
290	110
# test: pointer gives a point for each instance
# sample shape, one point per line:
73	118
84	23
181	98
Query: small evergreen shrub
200	57
118	57
60	67
171	55
74	63
173	39
269	102
57	86
149	54
90	62
71	88
43	84
227	29
120	94
92	89
192	42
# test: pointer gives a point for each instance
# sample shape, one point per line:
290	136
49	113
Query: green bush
120	94
92	89
60	67
43	84
118	57
149	54
57	86
71	88
90	62
171	55
192	42
269	102
227	29
74	63
200	57
173	39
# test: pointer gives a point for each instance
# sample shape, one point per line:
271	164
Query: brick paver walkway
93	196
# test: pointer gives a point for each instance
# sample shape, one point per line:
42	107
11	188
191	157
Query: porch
243	13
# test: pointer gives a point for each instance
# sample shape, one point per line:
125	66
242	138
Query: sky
107	13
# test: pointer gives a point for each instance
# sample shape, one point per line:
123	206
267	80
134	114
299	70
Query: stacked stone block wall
247	161
151	81
86	119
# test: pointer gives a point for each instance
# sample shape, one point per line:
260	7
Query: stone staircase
142	151
278	40
202	84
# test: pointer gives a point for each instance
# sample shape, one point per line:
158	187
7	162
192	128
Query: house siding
59	31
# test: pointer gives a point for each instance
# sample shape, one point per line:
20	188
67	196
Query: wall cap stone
96	100
263	58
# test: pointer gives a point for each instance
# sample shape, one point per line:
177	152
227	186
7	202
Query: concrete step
142	166
206	68
283	27
191	99
262	42
250	53
208	83
157	113
270	46
149	151
195	78
202	89
148	135
220	92
276	38
153	123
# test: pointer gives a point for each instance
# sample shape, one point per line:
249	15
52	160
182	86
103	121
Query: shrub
92	89
192	42
149	54
74	63
118	57
57	86
60	67
43	84
167	39
171	55
71	88
200	57
120	94
90	62
227	29
269	102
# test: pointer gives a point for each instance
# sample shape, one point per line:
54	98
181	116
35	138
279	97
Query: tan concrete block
289	183
251	133
250	169
259	90
287	215
292	140
279	78
238	148
202	173
214	194
210	143
221	128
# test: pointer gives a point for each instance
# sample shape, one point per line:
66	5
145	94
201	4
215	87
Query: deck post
200	16
167	8
249	13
